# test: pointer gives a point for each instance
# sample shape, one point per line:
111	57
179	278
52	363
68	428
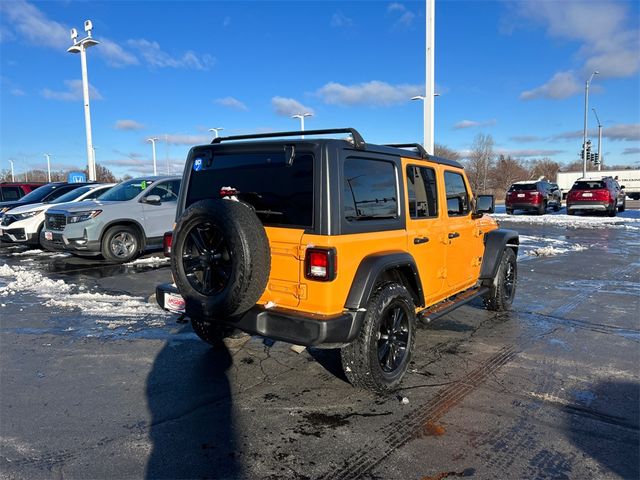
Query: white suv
130	218
23	224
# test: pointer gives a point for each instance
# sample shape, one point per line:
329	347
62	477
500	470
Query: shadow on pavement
189	398
607	428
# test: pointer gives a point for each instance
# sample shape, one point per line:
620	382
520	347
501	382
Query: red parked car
534	196
15	191
600	195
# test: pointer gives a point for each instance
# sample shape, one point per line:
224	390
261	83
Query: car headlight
22	216
83	216
5	209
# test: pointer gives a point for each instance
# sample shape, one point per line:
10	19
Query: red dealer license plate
173	302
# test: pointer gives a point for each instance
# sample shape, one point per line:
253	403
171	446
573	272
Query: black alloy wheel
393	338
206	259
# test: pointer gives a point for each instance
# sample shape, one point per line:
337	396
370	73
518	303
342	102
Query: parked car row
586	194
118	222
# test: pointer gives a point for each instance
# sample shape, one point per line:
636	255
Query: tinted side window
9	193
457	195
423	197
369	190
167	191
59	192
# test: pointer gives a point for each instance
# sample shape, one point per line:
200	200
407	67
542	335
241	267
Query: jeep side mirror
153	199
485	204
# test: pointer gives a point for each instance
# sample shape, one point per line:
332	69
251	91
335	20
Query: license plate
173	302
48	236
587	194
521	195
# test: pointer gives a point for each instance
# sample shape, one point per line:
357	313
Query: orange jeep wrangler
332	243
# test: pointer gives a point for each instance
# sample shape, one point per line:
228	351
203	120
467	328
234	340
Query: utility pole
80	46
301	117
599	140
430	40
48	155
12	176
586	108
153	148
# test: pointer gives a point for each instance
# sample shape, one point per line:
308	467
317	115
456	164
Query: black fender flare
370	270
494	244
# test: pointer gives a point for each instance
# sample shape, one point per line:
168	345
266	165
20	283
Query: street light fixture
301	117
584	138
599	140
216	131
80	46
153	140
48	155
425	107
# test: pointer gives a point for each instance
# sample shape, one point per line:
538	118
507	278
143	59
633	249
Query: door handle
454	235
419	240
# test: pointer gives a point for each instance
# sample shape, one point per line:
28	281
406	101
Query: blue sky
172	70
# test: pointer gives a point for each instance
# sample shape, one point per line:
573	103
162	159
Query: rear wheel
500	296
623	207
120	244
557	206
542	209
378	358
570	212
613	211
509	211
211	332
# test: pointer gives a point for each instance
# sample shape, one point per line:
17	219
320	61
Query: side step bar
446	306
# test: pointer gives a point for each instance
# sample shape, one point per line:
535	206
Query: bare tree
480	162
446	152
544	167
507	171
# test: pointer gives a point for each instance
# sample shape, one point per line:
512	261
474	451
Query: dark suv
339	243
593	194
534	196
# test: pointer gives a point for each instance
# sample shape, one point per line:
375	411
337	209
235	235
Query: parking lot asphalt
98	383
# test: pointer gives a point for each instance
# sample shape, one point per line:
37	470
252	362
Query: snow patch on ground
68	296
551	251
629	220
29	252
150	261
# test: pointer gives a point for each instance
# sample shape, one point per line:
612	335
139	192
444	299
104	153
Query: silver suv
119	225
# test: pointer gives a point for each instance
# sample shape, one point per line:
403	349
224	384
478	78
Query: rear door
426	236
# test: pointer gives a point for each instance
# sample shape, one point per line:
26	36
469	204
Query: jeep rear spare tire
220	258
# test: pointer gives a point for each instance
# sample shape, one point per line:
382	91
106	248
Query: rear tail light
320	264
602	195
167	240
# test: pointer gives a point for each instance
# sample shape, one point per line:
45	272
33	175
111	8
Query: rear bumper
522	206
588	206
288	325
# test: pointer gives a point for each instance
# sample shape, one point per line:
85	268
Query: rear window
520	187
281	194
589	185
9	193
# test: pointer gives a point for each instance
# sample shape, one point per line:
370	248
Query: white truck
630	179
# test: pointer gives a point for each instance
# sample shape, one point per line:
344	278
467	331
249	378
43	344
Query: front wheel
623	207
500	296
378	358
120	244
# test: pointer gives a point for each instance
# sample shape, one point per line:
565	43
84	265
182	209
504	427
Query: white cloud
631	151
370	93
128	125
527	153
232	103
406	16
72	93
608	40
395	6
474	123
562	85
625	132
152	54
526	138
288	106
339	19
114	54
182	139
29	23
17	92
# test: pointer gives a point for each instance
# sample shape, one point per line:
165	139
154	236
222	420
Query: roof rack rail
358	141
419	148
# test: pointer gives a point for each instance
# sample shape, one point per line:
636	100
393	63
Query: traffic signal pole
599	147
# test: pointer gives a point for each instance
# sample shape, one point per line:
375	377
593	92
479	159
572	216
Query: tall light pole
153	149
584	138
48	155
424	112
12	176
599	140
301	117
430	43
80	46
216	131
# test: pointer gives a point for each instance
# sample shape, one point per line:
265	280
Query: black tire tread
495	300
357	356
106	239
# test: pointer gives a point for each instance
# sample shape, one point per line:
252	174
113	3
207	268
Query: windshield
39	193
520	187
281	194
126	190
72	195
